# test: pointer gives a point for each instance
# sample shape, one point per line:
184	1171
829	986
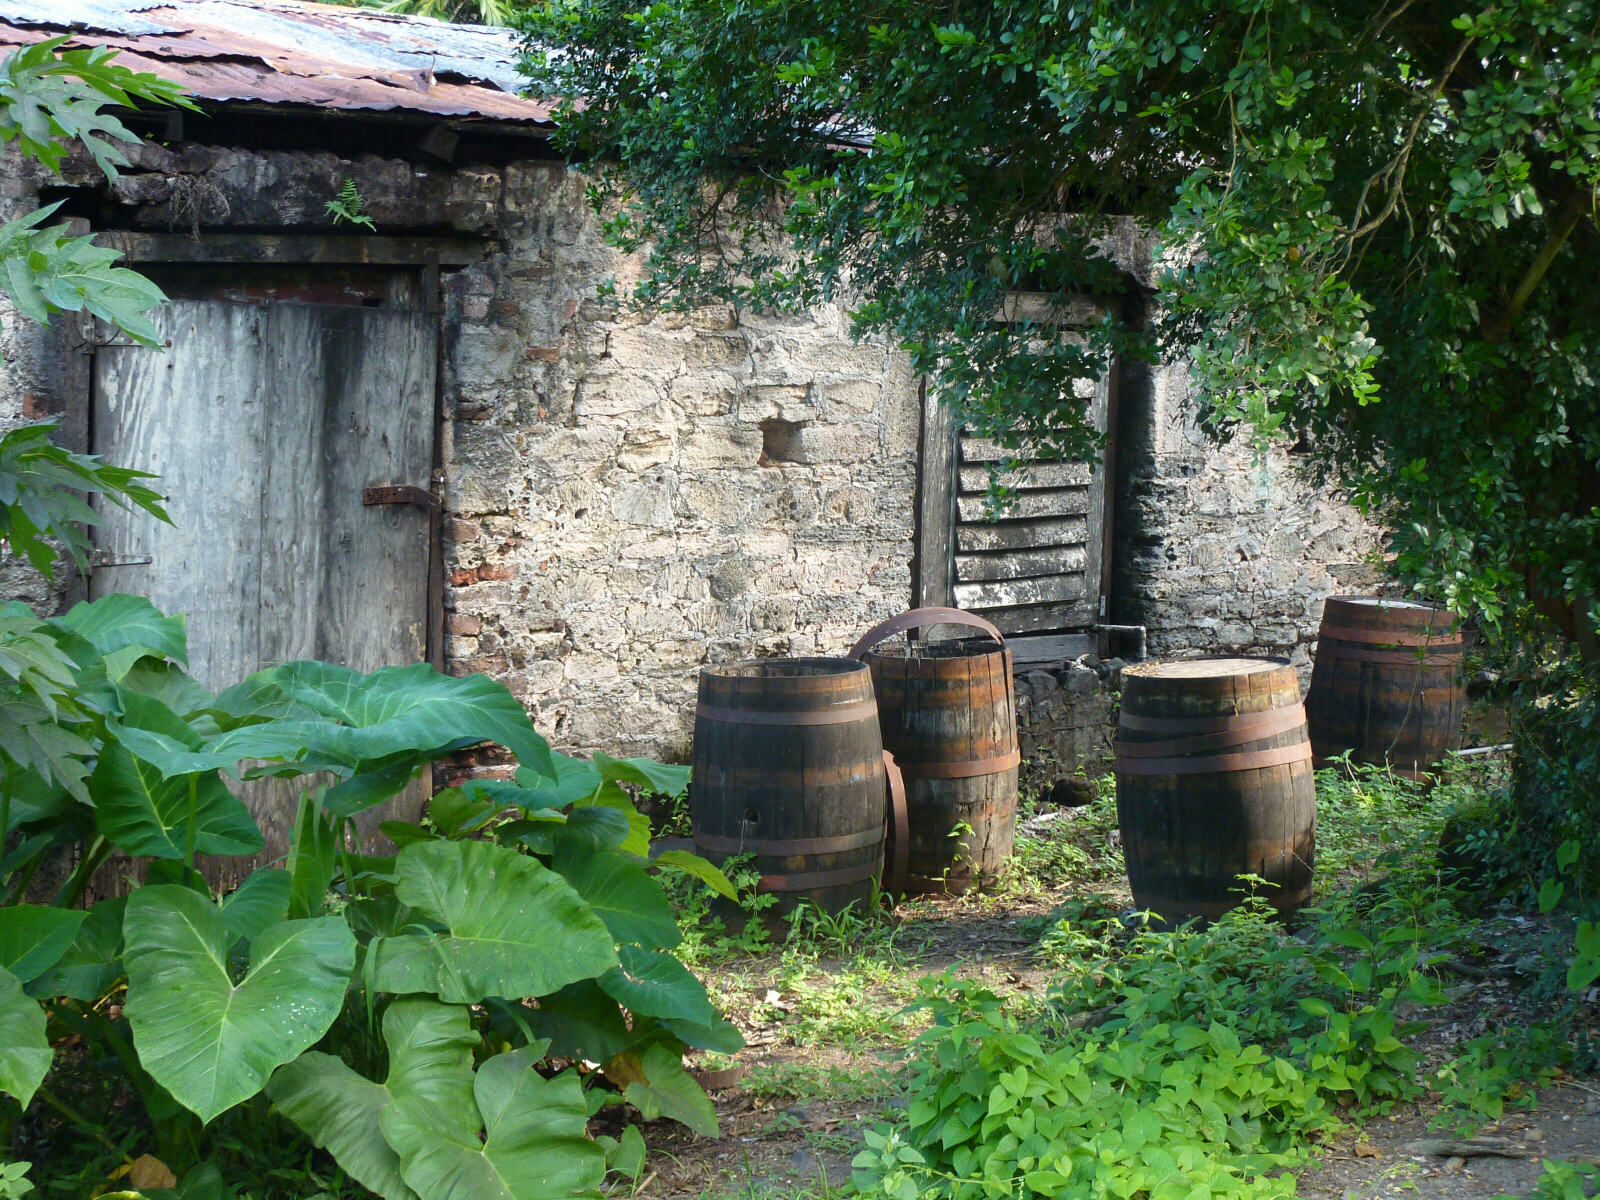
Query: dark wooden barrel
1214	781
788	766
1386	684
948	714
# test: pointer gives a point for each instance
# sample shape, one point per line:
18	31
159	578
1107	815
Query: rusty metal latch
104	558
399	493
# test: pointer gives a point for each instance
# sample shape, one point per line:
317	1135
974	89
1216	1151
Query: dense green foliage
471	12
534	889
1206	1060
1377	220
48	101
1192	1063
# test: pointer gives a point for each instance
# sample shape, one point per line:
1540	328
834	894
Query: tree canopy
1376	221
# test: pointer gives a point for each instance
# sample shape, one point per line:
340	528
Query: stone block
616	395
705	395
852	396
793	402
712	446
648	503
717	351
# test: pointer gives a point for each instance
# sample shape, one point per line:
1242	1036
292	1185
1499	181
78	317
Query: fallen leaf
1366	1150
148	1171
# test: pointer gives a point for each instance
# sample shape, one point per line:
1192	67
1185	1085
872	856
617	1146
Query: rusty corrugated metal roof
286	52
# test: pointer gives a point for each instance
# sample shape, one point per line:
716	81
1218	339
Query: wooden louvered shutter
1039	571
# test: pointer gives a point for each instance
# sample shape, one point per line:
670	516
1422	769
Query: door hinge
399	493
104	558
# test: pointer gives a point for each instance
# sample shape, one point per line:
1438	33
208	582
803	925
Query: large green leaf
399	710
511	926
257	904
662	1088
456	811
581	1021
119	623
210	1042
699	868
306	716
93	963
533	1145
430	1060
657	985
33	938
33	799
24	1052
657	777
721	1036
600	829
632	904
179	691
313	859
361	792
568	781
147	813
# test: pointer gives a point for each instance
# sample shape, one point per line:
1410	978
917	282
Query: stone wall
628	499
1221	549
633	498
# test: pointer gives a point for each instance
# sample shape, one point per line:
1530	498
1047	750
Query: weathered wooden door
266	422
1039	569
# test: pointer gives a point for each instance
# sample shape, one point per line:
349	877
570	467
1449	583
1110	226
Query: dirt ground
794	1103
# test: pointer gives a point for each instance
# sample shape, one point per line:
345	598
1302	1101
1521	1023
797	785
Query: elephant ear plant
520	930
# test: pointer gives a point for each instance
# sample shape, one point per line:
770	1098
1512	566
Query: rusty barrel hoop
789	767
1386	684
1214	781
948	715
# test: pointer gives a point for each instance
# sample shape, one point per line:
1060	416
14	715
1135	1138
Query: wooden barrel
948	714
788	766
1386	684
1214	781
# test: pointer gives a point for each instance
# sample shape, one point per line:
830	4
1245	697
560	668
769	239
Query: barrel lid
1209	686
784	668
1355	613
962	648
1390	604
1204	668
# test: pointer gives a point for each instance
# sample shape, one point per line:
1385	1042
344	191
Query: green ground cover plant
1211	1061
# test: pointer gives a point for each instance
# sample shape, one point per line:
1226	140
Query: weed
841	1004
707	937
13	1180
1493	1071
867	1085
1054	846
1560	1180
349	206
753	1188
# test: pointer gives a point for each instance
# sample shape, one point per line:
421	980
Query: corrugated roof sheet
286	52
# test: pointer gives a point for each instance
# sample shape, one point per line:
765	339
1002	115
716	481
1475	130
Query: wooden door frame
428	255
